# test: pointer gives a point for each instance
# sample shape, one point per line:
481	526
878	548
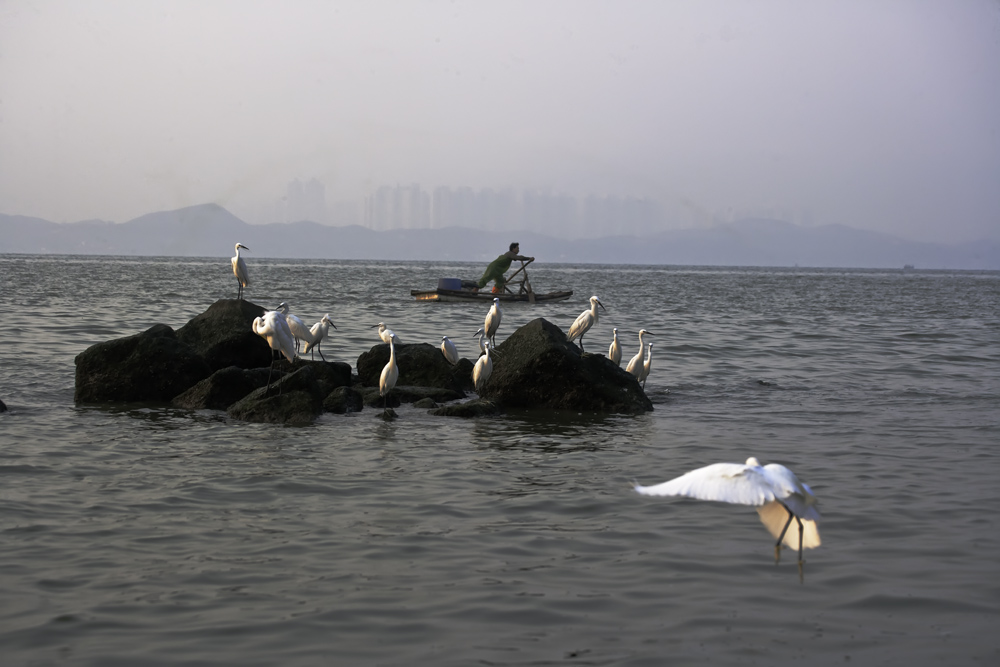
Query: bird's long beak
601	305
374	326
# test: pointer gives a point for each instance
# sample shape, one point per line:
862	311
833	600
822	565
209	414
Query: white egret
645	366
448	350
636	363
773	489
387	335
482	340
390	373
240	270
584	321
615	351
493	321
298	328
319	332
482	371
273	328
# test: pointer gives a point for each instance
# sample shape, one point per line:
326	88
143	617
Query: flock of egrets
773	489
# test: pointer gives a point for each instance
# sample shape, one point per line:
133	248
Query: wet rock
3	407
473	408
420	365
223	335
222	388
329	374
536	368
150	366
342	400
425	404
372	399
296	399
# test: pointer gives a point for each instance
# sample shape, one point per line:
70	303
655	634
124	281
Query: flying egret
387	335
390	373
273	328
645	366
481	334
493	321
240	270
773	489
319	332
299	329
482	371
584	321
615	351
448	350
636	364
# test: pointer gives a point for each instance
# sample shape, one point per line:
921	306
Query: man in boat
499	266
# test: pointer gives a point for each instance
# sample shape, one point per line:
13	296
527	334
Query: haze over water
141	534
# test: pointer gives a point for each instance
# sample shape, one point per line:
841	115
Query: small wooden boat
456	290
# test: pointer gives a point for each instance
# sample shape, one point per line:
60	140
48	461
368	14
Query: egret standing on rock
482	371
493	321
615	351
635	365
240	270
645	366
387	335
319	332
448	350
298	328
773	489
584	321
386	381
273	328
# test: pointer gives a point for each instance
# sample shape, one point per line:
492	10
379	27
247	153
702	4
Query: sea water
143	534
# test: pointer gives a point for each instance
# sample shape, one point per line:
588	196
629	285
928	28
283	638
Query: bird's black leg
777	545
319	348
797	519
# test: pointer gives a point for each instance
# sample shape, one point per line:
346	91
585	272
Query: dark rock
3	407
473	408
389	414
221	389
343	399
420	365
299	402
223	335
329	374
151	366
536	368
372	399
425	404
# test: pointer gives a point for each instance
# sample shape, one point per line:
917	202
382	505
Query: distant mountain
210	230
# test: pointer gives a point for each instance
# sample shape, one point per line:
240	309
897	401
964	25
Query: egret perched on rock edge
584	321
390	373
645	366
482	371
298	328
481	334
493	321
387	335
773	489
240	270
636	364
448	350
319	332
273	328
615	351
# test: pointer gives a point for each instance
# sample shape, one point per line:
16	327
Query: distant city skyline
884	116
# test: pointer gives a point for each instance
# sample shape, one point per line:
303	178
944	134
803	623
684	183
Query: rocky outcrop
295	399
536	368
3	407
221	389
342	400
223	335
151	366
420	365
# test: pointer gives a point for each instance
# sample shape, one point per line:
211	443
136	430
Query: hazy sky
879	114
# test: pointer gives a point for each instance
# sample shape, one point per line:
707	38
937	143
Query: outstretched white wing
724	482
